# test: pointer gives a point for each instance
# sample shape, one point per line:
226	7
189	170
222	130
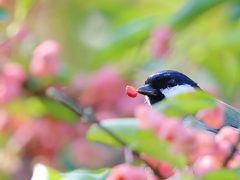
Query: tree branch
88	116
233	150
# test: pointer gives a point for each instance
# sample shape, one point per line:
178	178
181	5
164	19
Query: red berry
131	92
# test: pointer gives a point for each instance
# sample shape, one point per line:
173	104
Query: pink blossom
184	143
11	80
79	82
8	89
163	168
107	83
14	72
205	145
227	133
213	118
148	118
205	164
5	49
235	161
4	119
104	90
126	107
105	114
222	150
90	155
171	130
46	59
127	172
160	40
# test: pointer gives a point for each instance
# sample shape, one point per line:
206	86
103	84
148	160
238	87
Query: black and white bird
168	83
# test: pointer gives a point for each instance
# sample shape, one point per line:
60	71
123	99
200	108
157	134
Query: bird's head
165	84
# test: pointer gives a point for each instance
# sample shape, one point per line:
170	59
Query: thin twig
128	155
233	150
88	113
54	94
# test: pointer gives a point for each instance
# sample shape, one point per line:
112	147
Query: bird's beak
147	90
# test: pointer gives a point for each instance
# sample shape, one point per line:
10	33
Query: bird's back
232	116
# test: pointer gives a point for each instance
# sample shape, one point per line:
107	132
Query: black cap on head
162	80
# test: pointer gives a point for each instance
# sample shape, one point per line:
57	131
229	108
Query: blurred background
90	50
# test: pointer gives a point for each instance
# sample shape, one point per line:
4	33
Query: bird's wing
192	122
232	116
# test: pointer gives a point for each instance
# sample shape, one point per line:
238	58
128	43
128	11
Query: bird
168	83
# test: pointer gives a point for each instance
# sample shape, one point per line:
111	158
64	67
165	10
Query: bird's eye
171	83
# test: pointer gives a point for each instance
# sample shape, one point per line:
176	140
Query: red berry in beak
131	92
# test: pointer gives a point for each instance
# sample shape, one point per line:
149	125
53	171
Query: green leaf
81	174
40	106
225	39
124	38
141	141
225	174
3	14
235	11
185	104
192	9
59	111
22	9
34	106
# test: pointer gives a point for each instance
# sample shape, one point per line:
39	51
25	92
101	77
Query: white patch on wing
179	89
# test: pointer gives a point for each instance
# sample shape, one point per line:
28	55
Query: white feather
179	89
147	100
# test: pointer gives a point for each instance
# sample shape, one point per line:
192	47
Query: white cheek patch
173	91
147	100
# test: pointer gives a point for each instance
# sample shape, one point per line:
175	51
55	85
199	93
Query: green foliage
225	174
79	174
125	36
35	107
59	111
191	10
185	104
138	140
22	9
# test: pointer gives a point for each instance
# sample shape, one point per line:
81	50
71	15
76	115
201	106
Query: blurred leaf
22	9
124	38
225	174
81	174
224	62
185	104
3	14
59	111
34	106
225	39
140	141
192	9
235	11
41	106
